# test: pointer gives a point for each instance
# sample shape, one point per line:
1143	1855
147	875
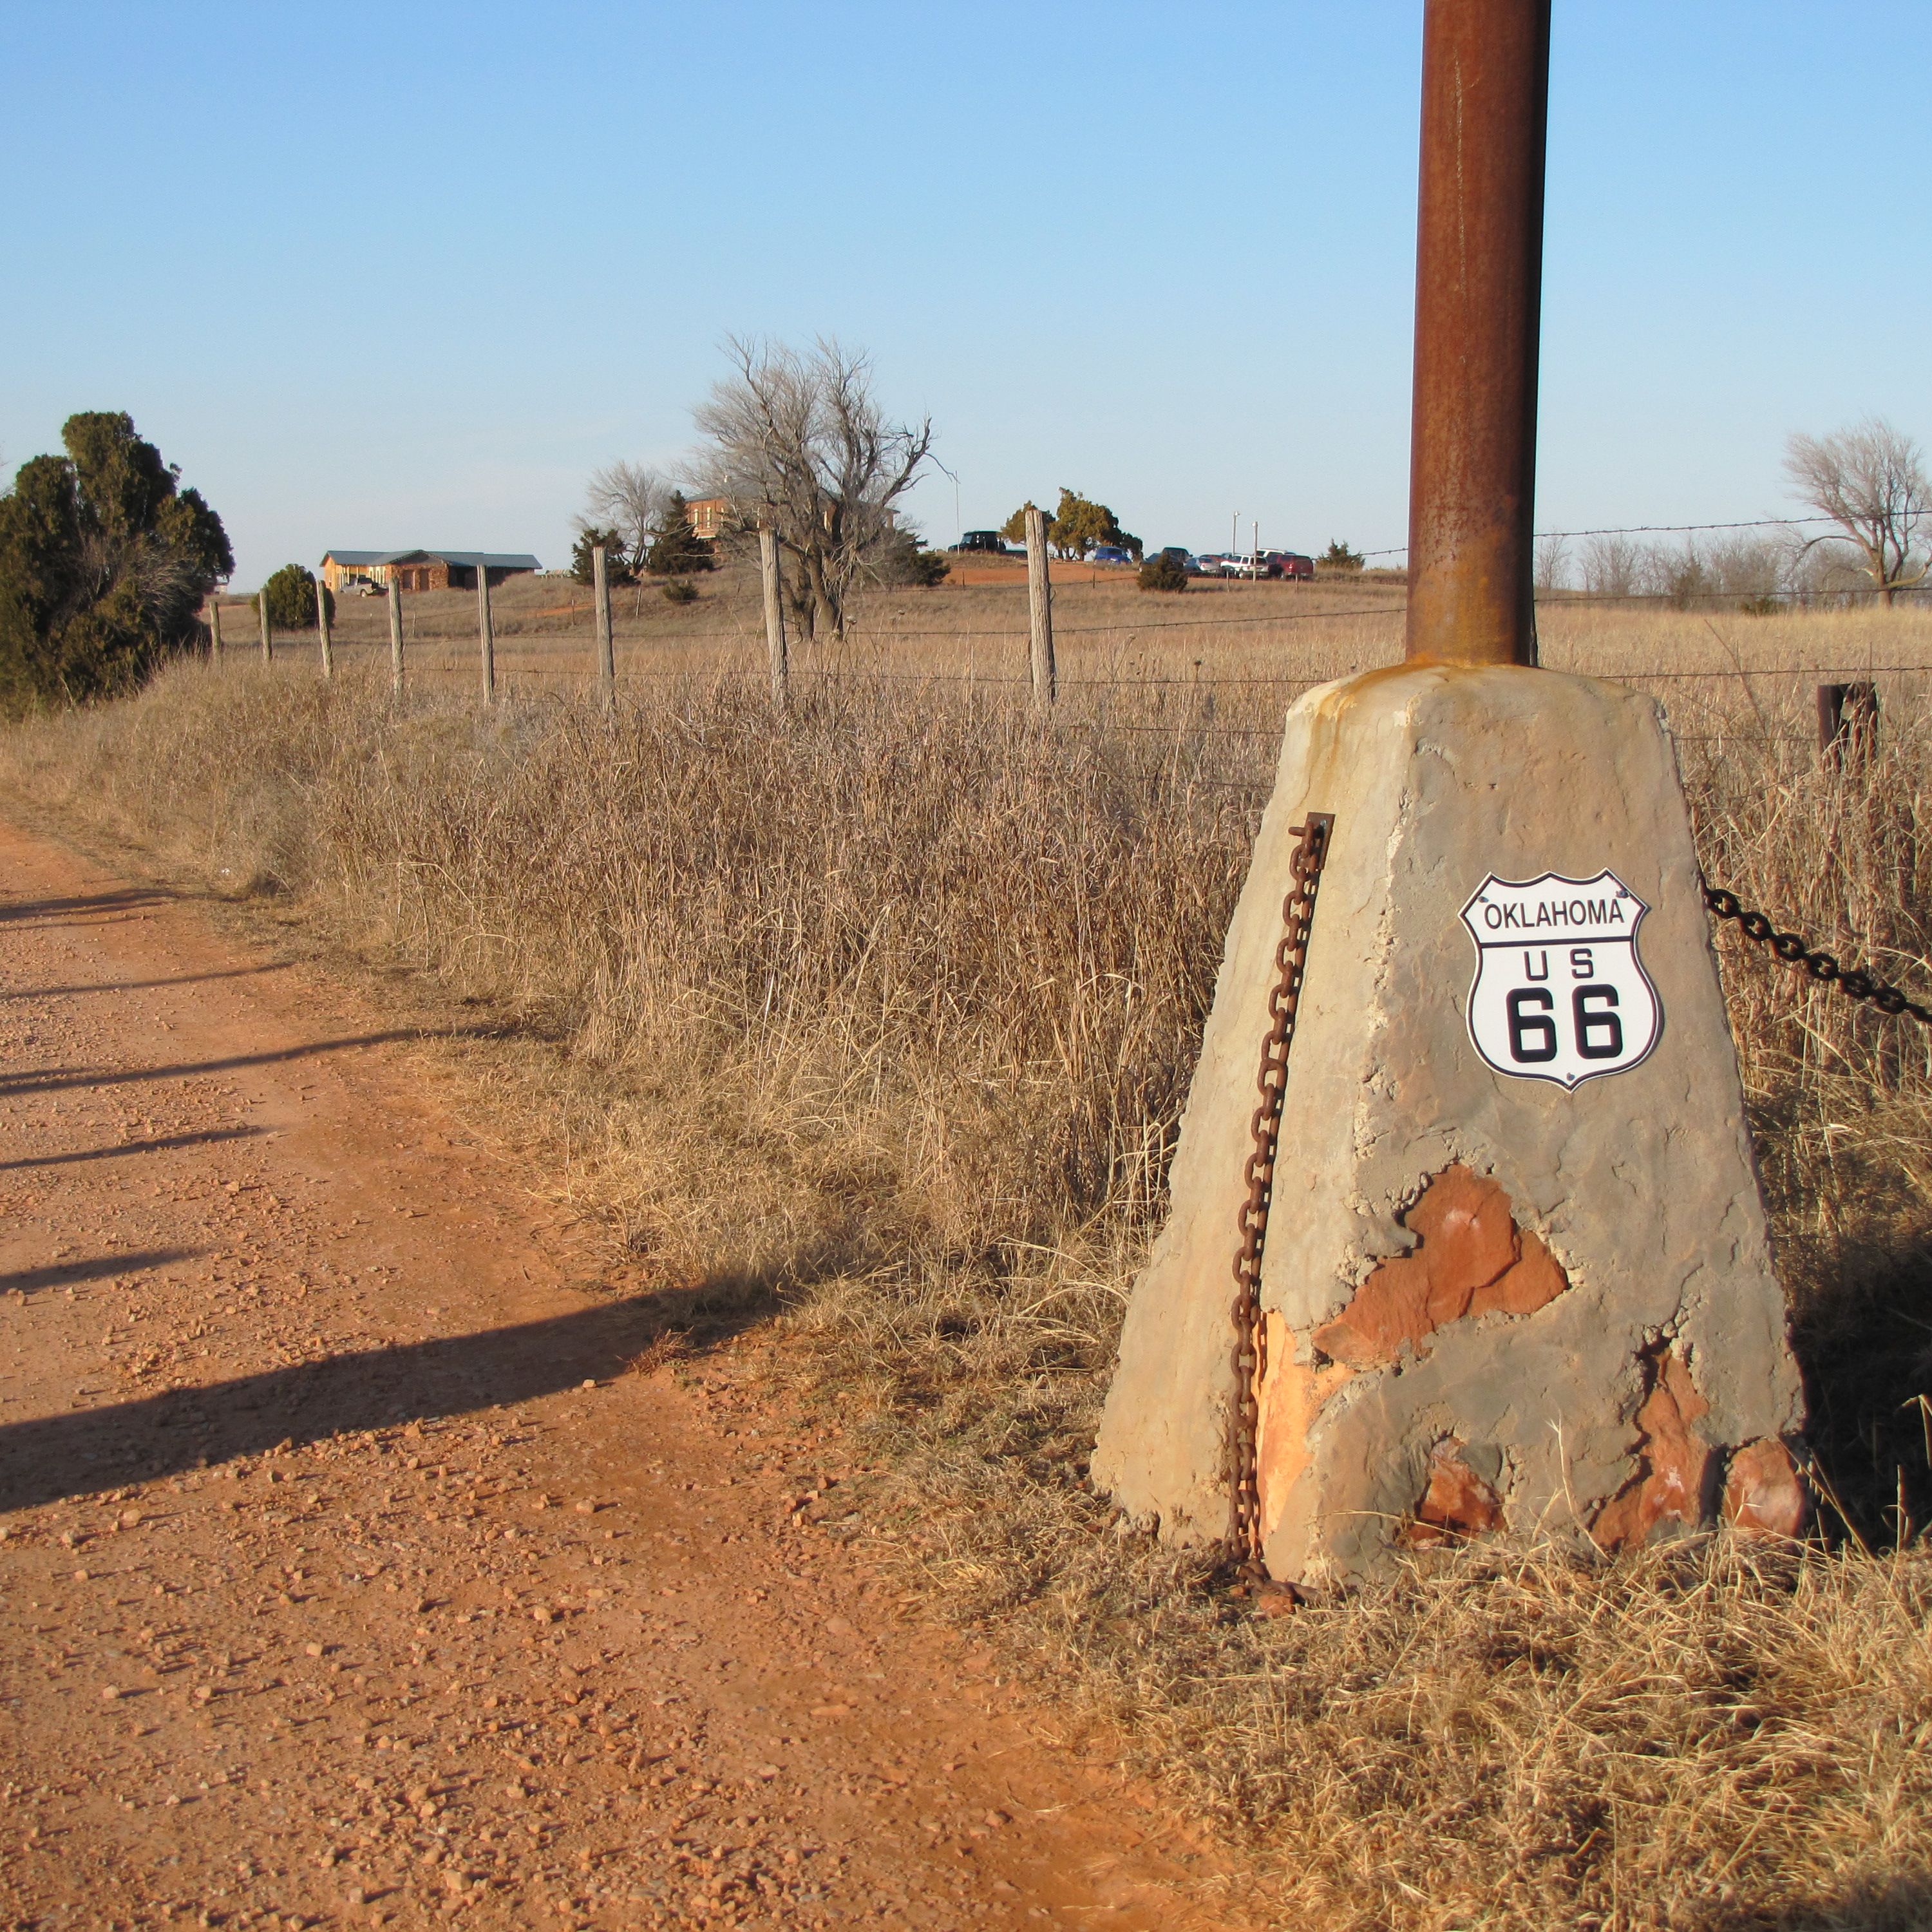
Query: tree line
106	559
1867	481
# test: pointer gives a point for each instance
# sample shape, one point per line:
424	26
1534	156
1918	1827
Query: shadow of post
50	1458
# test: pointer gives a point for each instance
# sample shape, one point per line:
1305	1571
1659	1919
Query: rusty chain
1822	966
1298	913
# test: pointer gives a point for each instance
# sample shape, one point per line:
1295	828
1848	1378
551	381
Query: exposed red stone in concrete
1290	1397
1457	1503
1672	1461
1470	1258
1764	1494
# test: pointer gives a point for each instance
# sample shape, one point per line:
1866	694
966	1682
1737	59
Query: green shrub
291	595
1162	572
1339	556
680	590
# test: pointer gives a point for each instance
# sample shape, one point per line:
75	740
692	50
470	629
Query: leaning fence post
322	624
1039	607
214	629
1847	725
268	625
607	659
486	637
395	635
774	630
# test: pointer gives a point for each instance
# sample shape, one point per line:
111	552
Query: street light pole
1478	281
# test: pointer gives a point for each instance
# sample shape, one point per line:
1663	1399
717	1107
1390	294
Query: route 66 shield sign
1559	992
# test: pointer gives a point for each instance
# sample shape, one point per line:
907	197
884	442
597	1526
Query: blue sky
406	273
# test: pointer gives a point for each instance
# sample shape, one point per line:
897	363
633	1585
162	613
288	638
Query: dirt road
357	1571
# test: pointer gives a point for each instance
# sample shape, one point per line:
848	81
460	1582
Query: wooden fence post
607	656
268	626
774	630
1848	725
214	628
1039	606
486	637
395	635
322	624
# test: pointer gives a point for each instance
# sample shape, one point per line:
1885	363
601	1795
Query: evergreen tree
291	595
676	550
105	561
1076	527
617	565
901	560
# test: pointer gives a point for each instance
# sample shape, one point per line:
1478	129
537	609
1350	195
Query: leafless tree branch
798	442
628	498
1870	480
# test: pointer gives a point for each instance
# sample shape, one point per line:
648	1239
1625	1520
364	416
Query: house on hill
708	516
421	569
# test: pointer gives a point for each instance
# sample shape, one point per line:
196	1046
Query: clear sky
385	275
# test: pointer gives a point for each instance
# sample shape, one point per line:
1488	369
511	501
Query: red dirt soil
359	1570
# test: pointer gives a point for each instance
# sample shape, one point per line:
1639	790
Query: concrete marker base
1494	1305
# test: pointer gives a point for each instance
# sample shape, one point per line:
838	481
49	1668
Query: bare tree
628	498
1612	564
1553	560
798	442
1870	480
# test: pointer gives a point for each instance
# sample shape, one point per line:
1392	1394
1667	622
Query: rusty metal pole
1478	286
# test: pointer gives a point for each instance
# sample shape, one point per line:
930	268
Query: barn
421	569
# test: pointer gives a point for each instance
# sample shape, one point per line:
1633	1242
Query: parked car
1211	563
1108	553
1178	553
1288	563
986	540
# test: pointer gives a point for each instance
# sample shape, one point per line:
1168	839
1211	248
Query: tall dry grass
880	1019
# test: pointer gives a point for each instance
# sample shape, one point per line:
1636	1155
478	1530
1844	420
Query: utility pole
607	661
1478	308
1039	609
774	630
485	636
395	634
322	624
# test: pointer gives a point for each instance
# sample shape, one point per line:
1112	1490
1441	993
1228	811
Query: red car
1287	563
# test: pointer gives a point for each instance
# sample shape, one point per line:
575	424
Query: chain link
1250	1353
1821	966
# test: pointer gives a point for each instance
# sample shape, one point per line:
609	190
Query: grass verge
887	1015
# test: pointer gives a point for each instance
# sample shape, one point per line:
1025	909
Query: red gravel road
357	1572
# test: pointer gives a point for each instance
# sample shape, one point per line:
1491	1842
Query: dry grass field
879	1020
